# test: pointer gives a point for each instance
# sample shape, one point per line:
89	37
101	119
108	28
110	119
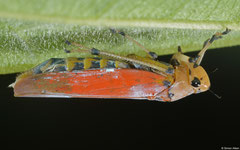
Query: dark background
202	119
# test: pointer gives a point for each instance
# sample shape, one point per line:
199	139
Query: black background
202	119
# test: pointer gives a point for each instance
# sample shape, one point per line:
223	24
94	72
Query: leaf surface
32	31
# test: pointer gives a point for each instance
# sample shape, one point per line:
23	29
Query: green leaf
32	31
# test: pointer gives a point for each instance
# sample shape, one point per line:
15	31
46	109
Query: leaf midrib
177	24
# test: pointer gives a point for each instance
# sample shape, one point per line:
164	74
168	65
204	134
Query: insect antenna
219	97
216	69
81	49
76	50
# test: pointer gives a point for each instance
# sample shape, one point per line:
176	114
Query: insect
113	76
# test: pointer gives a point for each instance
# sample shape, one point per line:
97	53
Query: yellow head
189	78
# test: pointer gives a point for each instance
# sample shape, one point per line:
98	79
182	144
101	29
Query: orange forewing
105	83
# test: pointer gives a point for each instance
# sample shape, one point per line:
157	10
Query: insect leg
179	49
153	55
207	43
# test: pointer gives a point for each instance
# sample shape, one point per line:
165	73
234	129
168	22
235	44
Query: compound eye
196	82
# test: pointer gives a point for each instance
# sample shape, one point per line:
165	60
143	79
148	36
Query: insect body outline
115	76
